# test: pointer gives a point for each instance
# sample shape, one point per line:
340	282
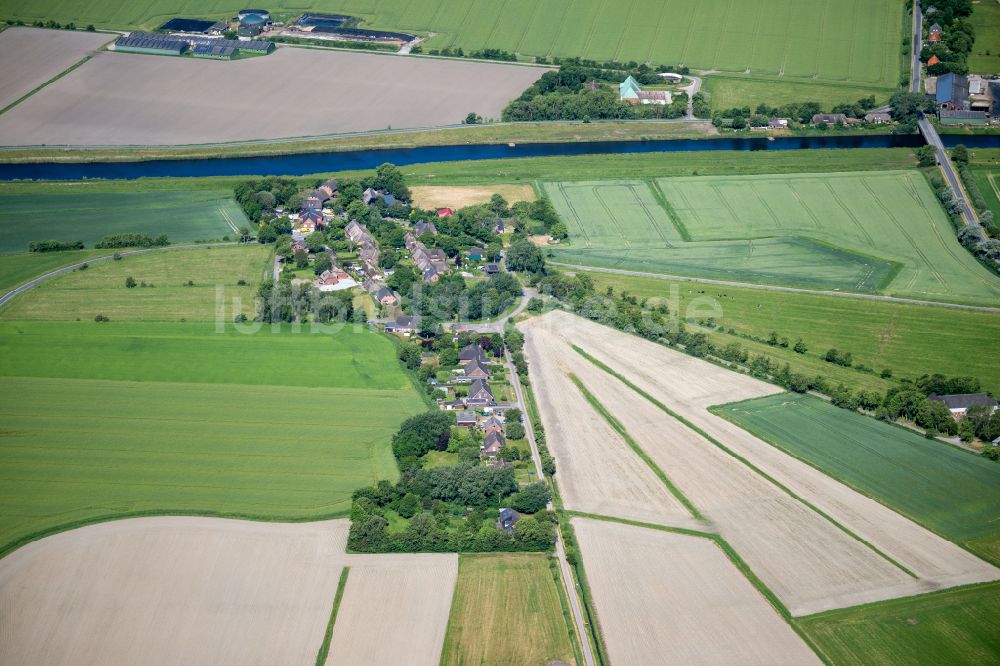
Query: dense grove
957	37
54	246
132	240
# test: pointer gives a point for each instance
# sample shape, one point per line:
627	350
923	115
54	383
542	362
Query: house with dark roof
466	419
934	33
474	369
421	228
480	394
470	352
385	296
493	424
508	518
878	118
329	187
491	269
404	325
959	404
492	444
310	219
829	119
475	253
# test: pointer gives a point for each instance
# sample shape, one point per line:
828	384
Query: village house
404	325
335	279
493	424
508	518
421	228
472	352
309	221
491	269
474	369
329	188
934	33
386	297
959	404
878	118
466	419
480	394
475	253
445	212
492	444
829	119
371	195
777	123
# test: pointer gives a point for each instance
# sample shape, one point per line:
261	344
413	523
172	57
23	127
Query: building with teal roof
629	89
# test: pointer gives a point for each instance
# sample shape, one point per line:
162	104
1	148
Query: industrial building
144	42
213	51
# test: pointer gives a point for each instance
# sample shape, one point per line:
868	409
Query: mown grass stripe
743	460
620	429
324	649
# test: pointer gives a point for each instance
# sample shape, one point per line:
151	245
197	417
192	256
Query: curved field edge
893	496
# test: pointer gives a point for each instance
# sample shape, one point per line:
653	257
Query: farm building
959	404
466	419
952	91
951	117
239	46
214	52
672	77
325	20
187	25
629	91
144	42
260	13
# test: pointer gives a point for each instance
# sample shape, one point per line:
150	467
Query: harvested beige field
598	471
666	598
171	591
459	196
130	99
187	590
32	56
807	560
395	610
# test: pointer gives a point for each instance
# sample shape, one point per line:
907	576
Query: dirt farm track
185	590
132	99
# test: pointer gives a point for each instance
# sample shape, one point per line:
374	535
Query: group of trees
800	112
565	95
54	246
957	37
285	302
132	240
419	434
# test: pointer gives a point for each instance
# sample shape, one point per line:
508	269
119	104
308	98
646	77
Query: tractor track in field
772	287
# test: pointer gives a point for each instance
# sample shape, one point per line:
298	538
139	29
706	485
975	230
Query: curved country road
20	289
771	287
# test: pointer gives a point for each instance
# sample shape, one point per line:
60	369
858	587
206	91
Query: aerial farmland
514	334
186	101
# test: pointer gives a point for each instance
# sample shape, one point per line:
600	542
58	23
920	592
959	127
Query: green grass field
113	419
875	232
856	41
988	180
101	288
952	492
986	21
79	214
732	90
506	610
16	269
951	627
911	340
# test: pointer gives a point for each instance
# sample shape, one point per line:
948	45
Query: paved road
66	269
769	287
498	325
931	135
571	591
918	20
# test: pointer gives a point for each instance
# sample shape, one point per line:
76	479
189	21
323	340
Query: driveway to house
498	325
571	588
691	91
66	269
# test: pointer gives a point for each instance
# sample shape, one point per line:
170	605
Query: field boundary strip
671	213
620	429
37	89
733	557
574	638
324	649
722	411
746	462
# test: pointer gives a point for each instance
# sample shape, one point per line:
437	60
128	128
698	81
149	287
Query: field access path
34	282
571	592
772	287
